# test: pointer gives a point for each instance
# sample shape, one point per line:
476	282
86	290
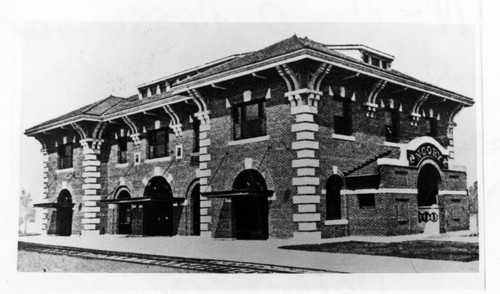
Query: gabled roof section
288	45
89	112
295	47
191	71
285	51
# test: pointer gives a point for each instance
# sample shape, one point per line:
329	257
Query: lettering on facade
427	151
426	217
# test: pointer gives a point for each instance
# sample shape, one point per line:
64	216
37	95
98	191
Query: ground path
268	252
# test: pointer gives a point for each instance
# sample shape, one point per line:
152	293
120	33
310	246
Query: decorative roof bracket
175	122
371	104
415	112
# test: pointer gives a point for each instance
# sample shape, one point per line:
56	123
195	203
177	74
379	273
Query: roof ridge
119	102
99	102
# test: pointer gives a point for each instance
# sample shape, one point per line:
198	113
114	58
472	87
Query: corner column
304	107
91	187
45	213
204	173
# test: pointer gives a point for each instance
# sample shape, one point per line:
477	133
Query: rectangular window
366	58
65	153
158	143
431	127
376	62
342	117
196	135
366	200
249	120
384	64
391	125
122	150
153	90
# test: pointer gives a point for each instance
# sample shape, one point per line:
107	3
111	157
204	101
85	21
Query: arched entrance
158	214
124	214
195	210
428	189
64	214
250	212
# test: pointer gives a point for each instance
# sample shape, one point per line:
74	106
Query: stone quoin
297	140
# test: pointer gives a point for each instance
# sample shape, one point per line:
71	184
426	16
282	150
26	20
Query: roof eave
320	56
44	128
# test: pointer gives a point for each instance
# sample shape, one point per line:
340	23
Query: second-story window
342	117
65	153
196	135
431	128
391	125
158	143
122	150
249	120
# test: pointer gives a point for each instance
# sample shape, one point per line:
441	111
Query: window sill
159	159
343	137
393	144
249	140
334	222
122	165
65	170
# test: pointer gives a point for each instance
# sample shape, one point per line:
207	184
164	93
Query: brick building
299	139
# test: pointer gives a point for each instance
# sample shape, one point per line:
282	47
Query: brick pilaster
91	187
306	163
451	145
204	173
45	192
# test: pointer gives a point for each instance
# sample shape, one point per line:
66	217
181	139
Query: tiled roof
117	106
95	109
288	45
294	44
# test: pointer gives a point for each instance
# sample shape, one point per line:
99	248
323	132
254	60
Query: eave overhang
306	53
168	99
355	66
57	124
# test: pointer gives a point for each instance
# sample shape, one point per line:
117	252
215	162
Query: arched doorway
64	214
124	214
428	189
250	212
428	185
333	202
195	210
158	214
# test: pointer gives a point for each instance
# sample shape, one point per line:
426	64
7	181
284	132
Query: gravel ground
41	262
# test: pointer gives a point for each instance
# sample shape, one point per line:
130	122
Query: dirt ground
41	262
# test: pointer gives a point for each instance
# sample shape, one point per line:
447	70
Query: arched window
333	203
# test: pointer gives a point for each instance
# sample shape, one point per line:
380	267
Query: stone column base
307	236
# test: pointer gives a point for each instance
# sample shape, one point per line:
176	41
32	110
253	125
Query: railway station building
299	139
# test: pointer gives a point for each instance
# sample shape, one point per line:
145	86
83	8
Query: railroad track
191	264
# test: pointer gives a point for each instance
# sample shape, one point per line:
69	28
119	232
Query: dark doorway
250	212
124	214
333	204
195	210
428	185
158	214
64	214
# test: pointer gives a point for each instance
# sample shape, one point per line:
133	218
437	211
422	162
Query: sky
68	65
